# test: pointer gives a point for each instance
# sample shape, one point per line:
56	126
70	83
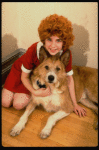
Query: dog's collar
40	85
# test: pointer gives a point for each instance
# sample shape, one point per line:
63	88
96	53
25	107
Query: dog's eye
57	68
46	67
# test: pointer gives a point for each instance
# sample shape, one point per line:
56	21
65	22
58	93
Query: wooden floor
71	131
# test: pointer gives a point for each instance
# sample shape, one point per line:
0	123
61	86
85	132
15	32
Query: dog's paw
16	130
44	133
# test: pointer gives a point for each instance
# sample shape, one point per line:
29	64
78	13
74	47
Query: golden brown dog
51	72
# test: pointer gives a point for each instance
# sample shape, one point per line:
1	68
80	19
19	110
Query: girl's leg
21	100
7	97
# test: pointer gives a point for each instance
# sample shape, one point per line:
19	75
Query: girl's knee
18	106
20	101
7	97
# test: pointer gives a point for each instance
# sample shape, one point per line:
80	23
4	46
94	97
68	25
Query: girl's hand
79	110
43	92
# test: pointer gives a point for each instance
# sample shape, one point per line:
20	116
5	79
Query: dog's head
51	68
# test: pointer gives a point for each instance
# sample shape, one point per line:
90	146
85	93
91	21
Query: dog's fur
51	72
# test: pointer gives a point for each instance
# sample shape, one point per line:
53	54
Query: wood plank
70	131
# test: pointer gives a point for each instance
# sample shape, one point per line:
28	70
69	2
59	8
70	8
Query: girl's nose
53	44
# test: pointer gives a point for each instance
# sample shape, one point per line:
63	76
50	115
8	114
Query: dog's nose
50	78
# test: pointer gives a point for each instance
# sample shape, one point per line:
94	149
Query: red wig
59	26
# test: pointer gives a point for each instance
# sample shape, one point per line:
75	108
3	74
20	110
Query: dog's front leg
21	124
51	122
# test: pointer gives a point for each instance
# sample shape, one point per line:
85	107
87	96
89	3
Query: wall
10	29
20	21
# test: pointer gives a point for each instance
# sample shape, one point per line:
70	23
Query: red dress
26	63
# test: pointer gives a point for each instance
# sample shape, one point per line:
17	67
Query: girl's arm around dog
27	83
77	109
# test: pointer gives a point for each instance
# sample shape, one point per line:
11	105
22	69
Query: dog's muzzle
50	78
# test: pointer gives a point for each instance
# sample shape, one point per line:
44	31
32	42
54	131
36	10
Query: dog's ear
43	54
57	56
65	57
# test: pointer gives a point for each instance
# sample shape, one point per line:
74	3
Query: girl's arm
77	109
27	83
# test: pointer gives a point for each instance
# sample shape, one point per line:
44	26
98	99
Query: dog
51	72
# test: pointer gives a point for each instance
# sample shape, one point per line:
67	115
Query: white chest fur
50	103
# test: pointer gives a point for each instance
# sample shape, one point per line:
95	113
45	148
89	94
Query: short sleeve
69	70
29	59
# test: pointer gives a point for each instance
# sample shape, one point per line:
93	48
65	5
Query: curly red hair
59	26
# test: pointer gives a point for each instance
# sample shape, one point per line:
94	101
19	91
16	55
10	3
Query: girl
55	33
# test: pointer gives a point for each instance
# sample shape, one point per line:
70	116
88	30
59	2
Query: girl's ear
65	57
43	54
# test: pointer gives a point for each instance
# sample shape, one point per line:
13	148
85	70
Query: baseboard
8	61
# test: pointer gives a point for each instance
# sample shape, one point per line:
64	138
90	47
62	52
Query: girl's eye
57	68
59	40
46	67
49	39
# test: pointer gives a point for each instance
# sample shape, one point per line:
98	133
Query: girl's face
53	45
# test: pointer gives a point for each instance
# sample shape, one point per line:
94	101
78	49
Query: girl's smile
53	45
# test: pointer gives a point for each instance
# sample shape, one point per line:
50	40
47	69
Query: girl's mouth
53	50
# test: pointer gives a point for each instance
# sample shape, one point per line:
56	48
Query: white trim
25	70
39	44
61	51
70	73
